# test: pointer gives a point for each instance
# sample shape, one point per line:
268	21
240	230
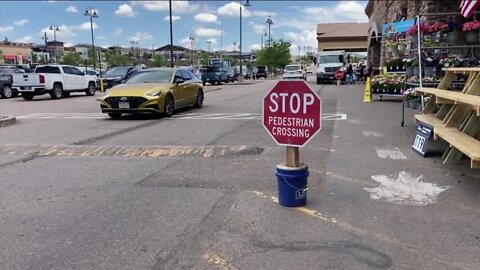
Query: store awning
24	57
468	7
10	56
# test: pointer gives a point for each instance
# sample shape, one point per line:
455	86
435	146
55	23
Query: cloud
72	9
141	36
25	39
6	29
303	38
205	17
118	32
21	22
86	26
207	32
261	13
212	40
64	32
185	42
102	37
174	18
177	6
255	47
232	9
125	11
259	28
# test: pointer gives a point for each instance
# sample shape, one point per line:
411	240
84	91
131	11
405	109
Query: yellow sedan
156	90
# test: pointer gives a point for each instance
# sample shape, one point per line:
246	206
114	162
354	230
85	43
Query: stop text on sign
294	102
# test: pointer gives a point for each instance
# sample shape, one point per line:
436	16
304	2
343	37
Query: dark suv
118	75
6	79
262	72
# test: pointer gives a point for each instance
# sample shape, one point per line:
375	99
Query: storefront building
351	37
381	12
15	53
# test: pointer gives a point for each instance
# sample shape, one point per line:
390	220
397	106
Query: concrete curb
6	120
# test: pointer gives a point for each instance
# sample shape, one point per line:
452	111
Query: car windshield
292	67
117	71
328	59
157	76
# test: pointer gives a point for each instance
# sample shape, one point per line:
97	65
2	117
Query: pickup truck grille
135	102
331	69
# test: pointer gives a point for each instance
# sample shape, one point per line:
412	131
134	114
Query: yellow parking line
222	263
128	150
343	225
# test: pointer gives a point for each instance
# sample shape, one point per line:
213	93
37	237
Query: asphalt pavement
198	191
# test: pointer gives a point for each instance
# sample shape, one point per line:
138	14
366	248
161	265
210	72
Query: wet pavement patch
210	151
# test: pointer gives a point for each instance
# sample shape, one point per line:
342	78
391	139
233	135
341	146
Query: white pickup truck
57	80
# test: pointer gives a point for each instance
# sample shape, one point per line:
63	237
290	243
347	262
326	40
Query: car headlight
153	94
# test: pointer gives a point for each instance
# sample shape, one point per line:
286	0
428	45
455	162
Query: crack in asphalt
195	239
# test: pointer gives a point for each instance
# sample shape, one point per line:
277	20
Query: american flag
468	7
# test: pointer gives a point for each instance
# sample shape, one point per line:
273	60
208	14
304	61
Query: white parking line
372	134
390	152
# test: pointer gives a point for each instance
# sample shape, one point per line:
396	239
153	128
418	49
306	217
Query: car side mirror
179	80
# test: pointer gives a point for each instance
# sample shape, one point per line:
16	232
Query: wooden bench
457	120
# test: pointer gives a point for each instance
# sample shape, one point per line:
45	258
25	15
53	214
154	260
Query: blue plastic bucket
292	185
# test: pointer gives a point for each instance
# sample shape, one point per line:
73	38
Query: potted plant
416	70
407	63
453	35
430	63
402	45
413	32
437	29
471	29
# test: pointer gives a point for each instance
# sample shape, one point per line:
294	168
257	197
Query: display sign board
424	133
84	53
292	113
397	27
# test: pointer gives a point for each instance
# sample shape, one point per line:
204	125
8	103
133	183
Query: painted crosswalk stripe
390	152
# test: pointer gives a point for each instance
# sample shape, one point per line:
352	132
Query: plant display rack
455	115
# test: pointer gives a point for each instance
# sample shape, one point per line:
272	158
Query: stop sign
339	74
292	113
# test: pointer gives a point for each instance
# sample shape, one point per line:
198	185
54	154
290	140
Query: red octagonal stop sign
292	113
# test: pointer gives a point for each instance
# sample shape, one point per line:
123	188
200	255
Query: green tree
275	56
42	59
73	59
34	58
115	60
204	58
159	61
233	61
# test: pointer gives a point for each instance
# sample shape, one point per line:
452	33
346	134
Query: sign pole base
293	157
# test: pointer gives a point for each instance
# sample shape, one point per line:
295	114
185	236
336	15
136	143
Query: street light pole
171	33
55	28
45	49
269	22
263	35
247	4
92	13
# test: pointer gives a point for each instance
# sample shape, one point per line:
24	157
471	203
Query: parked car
118	75
294	71
213	75
56	80
6	80
231	73
262	72
156	90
